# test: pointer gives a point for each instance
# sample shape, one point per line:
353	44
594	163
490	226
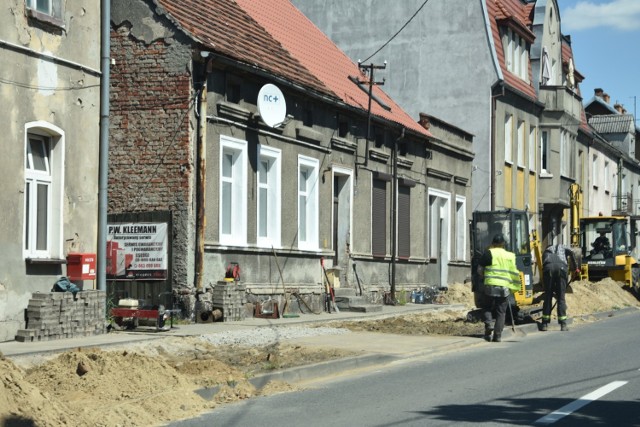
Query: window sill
403	162
545	175
45	18
379	155
308	134
343	144
45	261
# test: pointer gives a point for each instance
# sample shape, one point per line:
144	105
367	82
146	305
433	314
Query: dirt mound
104	388
458	293
595	297
154	382
22	402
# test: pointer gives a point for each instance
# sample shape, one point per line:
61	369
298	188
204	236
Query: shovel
513	323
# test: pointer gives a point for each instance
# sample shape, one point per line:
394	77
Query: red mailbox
81	266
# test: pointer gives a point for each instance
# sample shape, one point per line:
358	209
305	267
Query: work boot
544	326
497	338
563	327
487	334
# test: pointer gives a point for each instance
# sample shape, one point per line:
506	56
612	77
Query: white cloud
622	15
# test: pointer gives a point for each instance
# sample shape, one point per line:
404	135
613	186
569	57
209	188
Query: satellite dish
271	105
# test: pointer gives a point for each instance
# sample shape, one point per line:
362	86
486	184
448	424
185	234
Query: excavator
614	260
514	225
605	244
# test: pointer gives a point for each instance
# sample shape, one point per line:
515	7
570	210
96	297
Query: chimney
424	121
598	92
606	97
619	108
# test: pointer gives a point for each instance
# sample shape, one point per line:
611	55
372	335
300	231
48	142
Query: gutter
103	177
52	58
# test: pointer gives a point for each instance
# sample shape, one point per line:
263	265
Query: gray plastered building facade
50	90
218	131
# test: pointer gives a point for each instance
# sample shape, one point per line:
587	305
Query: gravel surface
265	336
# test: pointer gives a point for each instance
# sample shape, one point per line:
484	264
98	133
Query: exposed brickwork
150	157
151	132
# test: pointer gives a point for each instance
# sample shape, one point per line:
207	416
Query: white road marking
577	404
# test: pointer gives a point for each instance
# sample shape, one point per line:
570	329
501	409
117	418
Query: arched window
43	188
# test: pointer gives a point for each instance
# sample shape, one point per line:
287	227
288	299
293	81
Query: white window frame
524	60
532	149
444	205
308	203
521	143
53	178
53	8
594	171
545	152
269	197
564	154
461	228
516	55
605	183
233	213
508	138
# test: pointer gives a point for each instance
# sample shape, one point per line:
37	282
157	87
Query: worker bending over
555	272
501	277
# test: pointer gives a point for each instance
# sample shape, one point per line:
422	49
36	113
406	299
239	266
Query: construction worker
501	277
555	272
601	244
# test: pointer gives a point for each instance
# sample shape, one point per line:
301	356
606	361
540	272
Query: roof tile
275	36
520	12
322	57
223	27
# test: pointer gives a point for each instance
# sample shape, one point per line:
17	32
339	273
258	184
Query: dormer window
516	53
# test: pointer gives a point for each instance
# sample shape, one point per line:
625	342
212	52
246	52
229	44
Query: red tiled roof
275	36
322	57
519	13
223	27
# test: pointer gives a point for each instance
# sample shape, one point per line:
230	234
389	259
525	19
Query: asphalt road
588	376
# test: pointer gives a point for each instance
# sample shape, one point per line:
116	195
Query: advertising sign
137	251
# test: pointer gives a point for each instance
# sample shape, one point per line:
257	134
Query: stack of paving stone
57	315
230	297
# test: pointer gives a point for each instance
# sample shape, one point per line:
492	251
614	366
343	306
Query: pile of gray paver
229	297
58	315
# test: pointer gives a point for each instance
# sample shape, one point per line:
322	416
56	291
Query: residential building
50	89
556	80
469	63
618	189
248	131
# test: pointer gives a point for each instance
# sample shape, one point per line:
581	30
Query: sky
605	37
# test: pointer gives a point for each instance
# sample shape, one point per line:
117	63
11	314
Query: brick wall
151	127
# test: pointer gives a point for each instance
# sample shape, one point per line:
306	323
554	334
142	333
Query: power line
399	31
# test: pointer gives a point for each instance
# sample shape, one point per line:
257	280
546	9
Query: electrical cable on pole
370	81
398	32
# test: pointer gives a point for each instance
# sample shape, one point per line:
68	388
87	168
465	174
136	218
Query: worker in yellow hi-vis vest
501	277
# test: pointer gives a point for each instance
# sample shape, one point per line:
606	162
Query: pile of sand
583	297
103	388
154	382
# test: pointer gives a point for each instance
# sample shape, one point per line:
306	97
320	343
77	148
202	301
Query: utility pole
369	70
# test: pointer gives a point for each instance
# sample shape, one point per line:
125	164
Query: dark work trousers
494	308
555	285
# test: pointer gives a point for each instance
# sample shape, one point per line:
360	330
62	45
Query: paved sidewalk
370	349
346	341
